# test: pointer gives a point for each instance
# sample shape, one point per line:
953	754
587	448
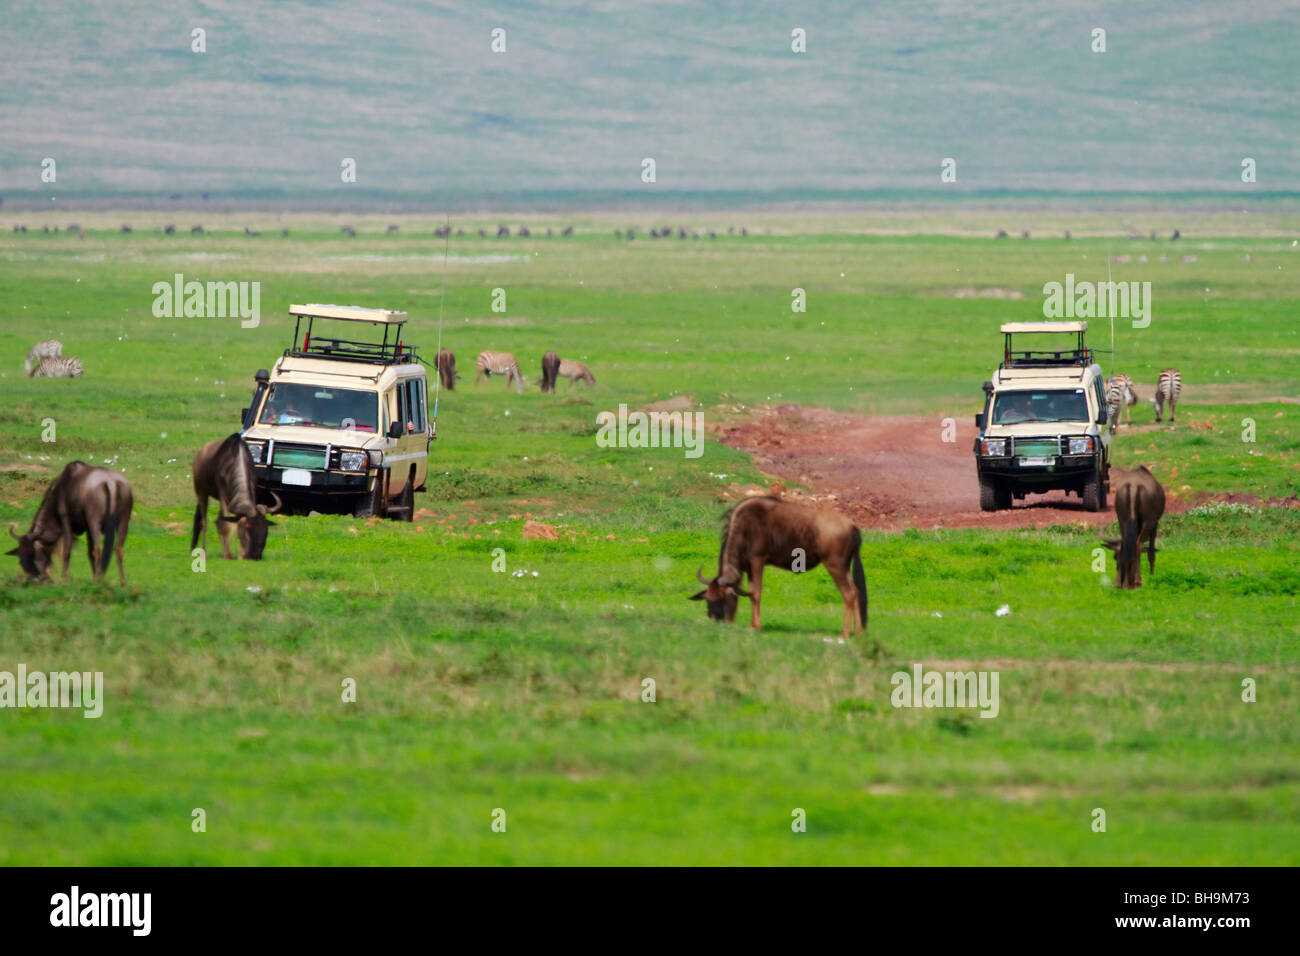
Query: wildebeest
447	369
1139	504
82	500
767	530
51	348
550	369
575	370
63	367
223	469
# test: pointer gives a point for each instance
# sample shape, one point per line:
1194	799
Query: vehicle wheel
1003	496
1094	498
990	494
406	500
370	503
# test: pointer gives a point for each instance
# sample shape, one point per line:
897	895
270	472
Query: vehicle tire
1003	496
406	500
1094	498
370	503
990	494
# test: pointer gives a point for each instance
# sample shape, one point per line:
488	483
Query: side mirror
243	415
979	421
395	430
1102	417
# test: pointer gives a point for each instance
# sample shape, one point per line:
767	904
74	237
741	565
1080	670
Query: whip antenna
437	356
1112	317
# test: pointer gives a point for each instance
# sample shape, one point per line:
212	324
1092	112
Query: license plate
296	476
1031	462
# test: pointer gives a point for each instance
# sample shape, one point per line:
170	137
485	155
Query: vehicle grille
299	456
1037	447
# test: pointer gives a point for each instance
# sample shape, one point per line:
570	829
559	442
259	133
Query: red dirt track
888	473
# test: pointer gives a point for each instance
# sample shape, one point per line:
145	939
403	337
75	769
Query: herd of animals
1122	396
491	363
758	532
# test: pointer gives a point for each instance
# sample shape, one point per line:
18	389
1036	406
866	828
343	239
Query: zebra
58	368
575	370
42	350
499	363
1120	396
1168	388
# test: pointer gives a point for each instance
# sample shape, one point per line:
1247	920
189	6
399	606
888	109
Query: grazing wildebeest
223	469
766	530
550	369
575	370
51	348
81	500
65	367
1139	503
447	369
499	363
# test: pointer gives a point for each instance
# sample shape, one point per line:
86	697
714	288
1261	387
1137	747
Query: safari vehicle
342	425
1043	424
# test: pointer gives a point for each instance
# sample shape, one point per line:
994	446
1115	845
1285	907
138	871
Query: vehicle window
1063	405
414	406
319	406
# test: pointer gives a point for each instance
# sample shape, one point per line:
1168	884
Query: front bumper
271	478
1062	466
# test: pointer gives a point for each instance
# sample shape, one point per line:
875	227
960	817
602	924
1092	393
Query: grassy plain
479	690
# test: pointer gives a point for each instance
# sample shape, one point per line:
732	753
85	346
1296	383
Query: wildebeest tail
198	525
859	578
110	530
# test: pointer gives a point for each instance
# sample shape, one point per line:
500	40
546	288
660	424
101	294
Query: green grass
479	690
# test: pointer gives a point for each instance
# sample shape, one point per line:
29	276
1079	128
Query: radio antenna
437	356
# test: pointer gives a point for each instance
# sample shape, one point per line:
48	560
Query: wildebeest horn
16	536
699	573
278	504
741	591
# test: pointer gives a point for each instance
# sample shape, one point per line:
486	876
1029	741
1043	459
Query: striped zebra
1168	388
574	371
58	368
42	350
1120	397
499	363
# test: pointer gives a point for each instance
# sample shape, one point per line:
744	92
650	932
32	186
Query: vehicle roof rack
1073	354
388	351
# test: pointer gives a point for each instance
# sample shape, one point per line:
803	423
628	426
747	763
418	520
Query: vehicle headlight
256	451
352	460
1080	446
995	447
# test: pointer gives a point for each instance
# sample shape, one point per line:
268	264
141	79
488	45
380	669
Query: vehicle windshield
320	406
1065	405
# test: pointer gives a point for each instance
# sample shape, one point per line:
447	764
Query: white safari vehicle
341	424
1043	424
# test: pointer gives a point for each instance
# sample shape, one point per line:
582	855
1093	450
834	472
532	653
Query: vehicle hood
1039	429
